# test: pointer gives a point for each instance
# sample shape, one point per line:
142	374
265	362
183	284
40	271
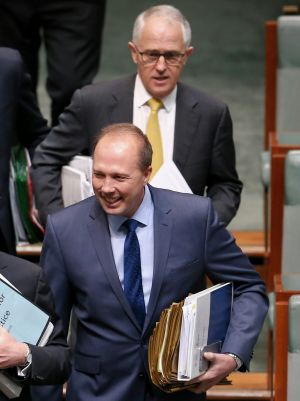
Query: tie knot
155	104
130	224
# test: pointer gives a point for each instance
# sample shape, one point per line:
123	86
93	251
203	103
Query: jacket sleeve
224	186
65	140
51	364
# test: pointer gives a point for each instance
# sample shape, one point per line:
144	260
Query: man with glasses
193	129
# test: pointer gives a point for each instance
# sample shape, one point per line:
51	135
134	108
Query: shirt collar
141	96
142	215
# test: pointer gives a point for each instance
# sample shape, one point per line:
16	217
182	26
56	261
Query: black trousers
72	35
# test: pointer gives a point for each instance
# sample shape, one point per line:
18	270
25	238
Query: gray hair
167	12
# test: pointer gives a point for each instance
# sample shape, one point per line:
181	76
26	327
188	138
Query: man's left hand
12	352
220	365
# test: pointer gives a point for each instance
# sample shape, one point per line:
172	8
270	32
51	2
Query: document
75	188
184	332
169	177
26	322
76	179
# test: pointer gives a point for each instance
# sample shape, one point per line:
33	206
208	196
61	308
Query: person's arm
225	262
65	140
28	363
51	364
224	186
12	352
31	126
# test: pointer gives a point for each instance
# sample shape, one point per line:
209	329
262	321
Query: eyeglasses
150	57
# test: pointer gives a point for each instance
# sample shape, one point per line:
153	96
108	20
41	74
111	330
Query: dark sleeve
224	186
65	141
51	364
31	127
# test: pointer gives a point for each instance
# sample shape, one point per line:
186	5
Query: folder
26	322
26	225
184	332
76	179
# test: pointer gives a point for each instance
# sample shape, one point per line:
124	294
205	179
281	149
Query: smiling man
193	129
119	258
119	177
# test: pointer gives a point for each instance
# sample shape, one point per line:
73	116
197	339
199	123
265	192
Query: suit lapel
186	123
99	231
162	237
121	110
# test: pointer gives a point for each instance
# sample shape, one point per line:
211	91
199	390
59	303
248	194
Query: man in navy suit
196	129
20	122
181	241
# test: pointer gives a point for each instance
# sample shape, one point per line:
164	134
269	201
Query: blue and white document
26	322
20	317
205	319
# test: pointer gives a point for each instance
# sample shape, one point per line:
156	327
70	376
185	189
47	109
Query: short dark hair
145	159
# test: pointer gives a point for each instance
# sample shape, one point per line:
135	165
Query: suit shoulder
107	87
187	91
18	270
180	199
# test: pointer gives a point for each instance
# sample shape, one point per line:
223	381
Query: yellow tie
153	134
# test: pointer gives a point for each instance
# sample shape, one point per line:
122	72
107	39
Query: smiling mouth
111	202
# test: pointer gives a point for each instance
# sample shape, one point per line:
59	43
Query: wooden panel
245	386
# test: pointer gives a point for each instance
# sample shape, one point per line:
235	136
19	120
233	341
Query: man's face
118	181
160	36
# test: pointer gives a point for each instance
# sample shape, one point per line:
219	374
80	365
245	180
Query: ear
147	174
133	52
188	52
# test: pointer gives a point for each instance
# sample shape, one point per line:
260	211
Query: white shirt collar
141	96
141	215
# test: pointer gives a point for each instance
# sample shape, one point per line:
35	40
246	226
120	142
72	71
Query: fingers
220	365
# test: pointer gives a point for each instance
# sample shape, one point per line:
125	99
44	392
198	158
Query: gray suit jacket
203	144
110	361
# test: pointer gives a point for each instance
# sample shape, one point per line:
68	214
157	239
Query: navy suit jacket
110	360
203	144
50	364
20	122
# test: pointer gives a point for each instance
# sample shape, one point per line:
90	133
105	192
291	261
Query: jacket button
141	375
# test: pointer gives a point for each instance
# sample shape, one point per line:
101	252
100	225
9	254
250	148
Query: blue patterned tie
133	286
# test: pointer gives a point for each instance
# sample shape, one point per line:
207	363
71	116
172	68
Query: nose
161	64
107	185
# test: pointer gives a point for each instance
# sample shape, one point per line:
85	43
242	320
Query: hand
220	366
12	352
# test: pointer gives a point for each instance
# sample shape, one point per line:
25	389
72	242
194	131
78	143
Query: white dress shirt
166	115
144	231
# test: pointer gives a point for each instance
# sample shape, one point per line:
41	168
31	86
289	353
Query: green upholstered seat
288	88
293	391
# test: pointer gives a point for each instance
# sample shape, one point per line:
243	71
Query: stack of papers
184	332
76	180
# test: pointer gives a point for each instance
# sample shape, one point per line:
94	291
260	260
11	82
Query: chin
160	93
